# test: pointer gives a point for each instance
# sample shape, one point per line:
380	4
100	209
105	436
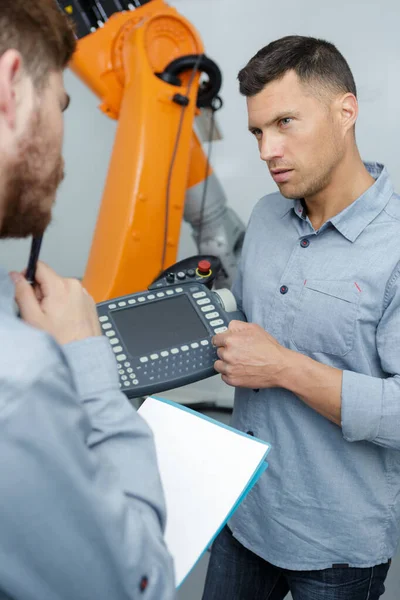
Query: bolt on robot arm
145	61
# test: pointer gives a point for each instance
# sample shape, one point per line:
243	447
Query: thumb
26	300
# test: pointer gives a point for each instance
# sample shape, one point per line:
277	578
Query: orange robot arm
145	66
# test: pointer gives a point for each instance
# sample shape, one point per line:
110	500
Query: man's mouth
281	175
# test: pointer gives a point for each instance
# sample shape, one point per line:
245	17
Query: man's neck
349	181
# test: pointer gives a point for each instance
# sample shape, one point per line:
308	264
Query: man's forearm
316	384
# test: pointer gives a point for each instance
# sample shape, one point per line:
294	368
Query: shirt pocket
325	317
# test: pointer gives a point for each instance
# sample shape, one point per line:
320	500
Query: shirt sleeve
82	506
371	405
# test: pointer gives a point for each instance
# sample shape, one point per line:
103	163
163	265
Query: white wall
365	32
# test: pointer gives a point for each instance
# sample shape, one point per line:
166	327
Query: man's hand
249	356
62	307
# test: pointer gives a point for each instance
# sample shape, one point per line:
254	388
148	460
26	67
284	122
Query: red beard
30	189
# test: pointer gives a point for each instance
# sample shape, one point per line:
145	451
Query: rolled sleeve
119	435
371	405
362	398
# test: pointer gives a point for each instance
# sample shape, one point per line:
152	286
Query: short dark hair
316	62
41	33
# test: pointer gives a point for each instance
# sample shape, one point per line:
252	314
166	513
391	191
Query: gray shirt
331	494
82	510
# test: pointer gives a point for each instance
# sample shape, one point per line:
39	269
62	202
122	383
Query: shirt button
144	582
304	243
284	289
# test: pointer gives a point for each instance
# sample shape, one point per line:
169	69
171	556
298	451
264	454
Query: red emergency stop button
204	268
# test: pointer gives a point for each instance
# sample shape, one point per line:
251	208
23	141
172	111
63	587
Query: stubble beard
29	191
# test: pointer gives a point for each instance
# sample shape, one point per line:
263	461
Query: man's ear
349	111
10	78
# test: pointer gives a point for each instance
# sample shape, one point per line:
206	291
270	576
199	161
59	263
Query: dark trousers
235	573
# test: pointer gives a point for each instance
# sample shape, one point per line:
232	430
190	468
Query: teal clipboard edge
263	465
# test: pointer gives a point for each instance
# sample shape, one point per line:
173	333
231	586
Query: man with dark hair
82	506
316	368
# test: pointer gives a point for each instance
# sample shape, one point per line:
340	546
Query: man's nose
270	148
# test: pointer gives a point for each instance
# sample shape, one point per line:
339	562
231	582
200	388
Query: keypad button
203	301
150	297
121	357
114	341
118	349
194	345
170	292
184	348
142	299
126	383
122	303
207	308
199	295
179	290
132	375
112	306
127	364
164	353
160	295
124	377
131	301
216	323
103	319
106	326
110	333
212	315
129	370
144	359
220	329
205	343
174	351
121	372
135	382
154	356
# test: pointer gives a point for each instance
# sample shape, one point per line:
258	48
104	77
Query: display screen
154	326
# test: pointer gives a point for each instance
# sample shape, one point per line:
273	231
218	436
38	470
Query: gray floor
192	588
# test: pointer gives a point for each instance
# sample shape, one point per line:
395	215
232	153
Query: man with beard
82	506
317	366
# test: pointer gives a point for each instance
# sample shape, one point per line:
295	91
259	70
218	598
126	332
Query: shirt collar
352	221
6	292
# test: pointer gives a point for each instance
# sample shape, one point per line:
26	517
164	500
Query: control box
162	338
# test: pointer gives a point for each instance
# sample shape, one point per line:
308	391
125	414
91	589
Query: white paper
204	469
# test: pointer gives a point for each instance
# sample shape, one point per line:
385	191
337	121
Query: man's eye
257	133
286	121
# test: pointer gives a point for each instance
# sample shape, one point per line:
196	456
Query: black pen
33	259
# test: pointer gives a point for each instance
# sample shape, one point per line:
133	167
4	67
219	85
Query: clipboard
207	468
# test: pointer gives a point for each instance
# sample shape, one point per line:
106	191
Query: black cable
171	168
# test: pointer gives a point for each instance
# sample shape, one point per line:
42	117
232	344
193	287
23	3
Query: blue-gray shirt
82	510
330	495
